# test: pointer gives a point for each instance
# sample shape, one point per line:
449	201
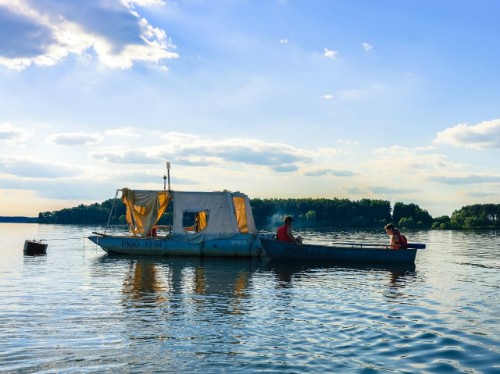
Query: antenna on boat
165	177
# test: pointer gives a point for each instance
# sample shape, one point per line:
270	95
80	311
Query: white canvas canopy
219	214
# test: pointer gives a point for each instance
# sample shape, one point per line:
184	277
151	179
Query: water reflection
144	283
152	282
398	280
397	276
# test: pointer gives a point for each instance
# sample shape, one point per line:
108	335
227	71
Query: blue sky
385	99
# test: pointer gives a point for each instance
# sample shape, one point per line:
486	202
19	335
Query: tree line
312	213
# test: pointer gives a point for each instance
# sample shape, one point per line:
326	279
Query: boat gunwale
354	246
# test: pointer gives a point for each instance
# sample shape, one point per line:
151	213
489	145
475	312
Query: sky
381	99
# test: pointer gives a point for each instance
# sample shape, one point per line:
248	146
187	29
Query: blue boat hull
341	254
241	245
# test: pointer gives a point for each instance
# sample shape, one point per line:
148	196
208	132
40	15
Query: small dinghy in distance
34	247
341	252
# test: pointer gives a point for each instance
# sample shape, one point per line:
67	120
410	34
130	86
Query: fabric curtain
241	213
144	209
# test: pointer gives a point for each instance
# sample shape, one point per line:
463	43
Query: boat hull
242	245
34	247
341	254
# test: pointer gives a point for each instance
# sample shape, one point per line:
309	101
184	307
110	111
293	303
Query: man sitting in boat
152	232
397	240
284	233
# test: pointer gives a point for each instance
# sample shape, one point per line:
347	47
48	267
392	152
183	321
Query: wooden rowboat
341	252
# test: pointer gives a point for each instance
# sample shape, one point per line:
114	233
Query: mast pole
169	193
168	175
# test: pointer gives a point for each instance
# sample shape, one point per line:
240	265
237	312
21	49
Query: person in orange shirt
284	233
397	240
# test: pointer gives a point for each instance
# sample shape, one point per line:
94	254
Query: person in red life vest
152	232
284	233
397	240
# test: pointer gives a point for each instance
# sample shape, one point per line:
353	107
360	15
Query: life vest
402	241
282	234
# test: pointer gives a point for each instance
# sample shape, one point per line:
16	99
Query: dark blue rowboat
341	252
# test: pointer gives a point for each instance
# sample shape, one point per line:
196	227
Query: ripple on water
78	310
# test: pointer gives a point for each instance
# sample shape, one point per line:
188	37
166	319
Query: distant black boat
35	247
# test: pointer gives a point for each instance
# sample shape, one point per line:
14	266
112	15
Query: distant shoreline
18	219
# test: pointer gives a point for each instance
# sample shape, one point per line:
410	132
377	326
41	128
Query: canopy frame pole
111	211
169	194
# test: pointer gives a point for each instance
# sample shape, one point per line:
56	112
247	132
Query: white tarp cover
222	216
226	213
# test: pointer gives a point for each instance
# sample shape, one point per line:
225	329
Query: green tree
311	215
420	217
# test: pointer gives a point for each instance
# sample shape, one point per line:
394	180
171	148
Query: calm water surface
77	309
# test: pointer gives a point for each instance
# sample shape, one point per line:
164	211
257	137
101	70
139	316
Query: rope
46	240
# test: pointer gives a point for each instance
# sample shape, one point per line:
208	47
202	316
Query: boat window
194	222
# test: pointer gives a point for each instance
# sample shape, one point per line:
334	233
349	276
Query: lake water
76	309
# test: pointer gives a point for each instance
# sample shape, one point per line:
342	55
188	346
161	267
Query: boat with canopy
203	224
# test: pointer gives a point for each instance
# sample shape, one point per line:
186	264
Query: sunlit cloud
329	53
120	156
47	31
465	179
285	168
384	190
329	172
143	3
484	135
408	161
347	141
327	97
126	132
283	41
75	138
190	150
482	194
367	46
234	150
11	135
29	168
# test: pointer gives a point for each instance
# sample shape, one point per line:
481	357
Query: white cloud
192	150
47	31
465	179
121	156
283	41
143	3
74	138
330	54
126	132
484	135
367	46
13	135
384	190
327	97
347	141
30	168
329	171
410	163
